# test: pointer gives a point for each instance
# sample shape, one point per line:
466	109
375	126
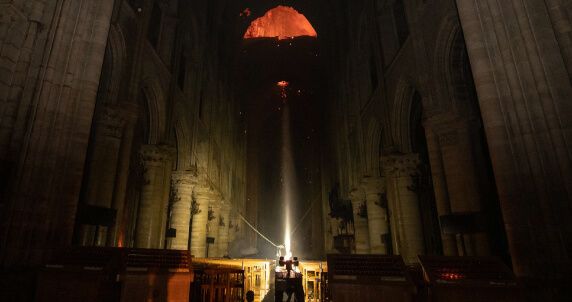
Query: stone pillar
200	212
524	95
376	201
101	172
182	197
214	226
223	232
153	204
116	234
440	189
361	231
461	167
48	146
400	171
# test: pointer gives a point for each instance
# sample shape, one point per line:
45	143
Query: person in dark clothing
249	296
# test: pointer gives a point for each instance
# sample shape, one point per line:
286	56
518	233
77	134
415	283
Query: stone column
400	171
102	170
376	201
156	160
524	95
214	226
461	168
48	146
361	231
223	232
440	189
182	196
200	212
116	234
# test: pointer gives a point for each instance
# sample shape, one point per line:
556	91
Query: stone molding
183	178
401	165
450	138
357	195
156	153
111	122
373	185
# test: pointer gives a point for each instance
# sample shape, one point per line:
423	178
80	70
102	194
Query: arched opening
281	22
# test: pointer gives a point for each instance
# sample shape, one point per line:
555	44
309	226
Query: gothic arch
154	96
452	69
372	148
184	139
113	66
448	30
401	116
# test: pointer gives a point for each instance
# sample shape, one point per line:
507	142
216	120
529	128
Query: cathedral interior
422	133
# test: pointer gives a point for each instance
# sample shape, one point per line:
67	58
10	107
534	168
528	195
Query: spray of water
287	170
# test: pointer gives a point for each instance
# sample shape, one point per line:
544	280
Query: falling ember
281	22
246	13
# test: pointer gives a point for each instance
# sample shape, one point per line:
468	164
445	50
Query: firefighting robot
288	280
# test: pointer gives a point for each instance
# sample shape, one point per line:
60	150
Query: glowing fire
282	22
283	85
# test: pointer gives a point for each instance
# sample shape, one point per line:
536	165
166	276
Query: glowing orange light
452	276
281	22
246	13
283	85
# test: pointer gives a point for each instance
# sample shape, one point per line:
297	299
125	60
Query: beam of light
287	167
281	22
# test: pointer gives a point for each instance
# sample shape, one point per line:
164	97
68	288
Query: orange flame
281	22
283	85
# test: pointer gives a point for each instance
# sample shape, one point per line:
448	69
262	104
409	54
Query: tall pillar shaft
117	233
182	192
102	170
153	204
41	182
404	205
524	94
460	159
440	189
361	231
377	219
200	211
462	172
214	226
223	232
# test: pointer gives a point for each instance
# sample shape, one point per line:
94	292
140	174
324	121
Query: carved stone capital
401	165
110	123
373	185
153	154
357	195
183	182
187	178
449	138
130	112
448	126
